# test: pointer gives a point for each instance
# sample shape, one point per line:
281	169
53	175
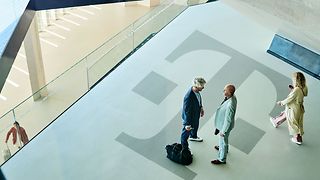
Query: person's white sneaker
295	141
272	122
197	139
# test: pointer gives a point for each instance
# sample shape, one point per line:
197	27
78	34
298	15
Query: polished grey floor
120	128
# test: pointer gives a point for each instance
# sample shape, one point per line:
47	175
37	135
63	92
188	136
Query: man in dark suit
191	112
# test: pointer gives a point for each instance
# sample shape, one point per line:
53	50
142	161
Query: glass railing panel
35	115
122	46
196	2
155	11
98	53
155	21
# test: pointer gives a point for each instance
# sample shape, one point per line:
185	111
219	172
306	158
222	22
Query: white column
150	3
64	10
126	4
51	16
34	61
42	20
59	13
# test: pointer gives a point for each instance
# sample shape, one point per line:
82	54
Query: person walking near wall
19	135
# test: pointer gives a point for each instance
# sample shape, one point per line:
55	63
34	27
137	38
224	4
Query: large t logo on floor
236	70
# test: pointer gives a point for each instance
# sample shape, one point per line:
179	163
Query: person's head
16	124
198	84
229	90
298	80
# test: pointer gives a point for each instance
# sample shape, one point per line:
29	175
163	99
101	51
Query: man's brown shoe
217	162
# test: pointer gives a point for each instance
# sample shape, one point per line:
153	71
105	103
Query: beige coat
294	110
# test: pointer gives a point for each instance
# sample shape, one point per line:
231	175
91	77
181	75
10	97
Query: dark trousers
184	137
194	131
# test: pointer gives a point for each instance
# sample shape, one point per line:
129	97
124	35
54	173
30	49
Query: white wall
296	19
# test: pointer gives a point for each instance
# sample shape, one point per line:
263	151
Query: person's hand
221	134
290	86
279	103
201	112
188	128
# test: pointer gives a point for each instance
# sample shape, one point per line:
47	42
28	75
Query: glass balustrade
66	89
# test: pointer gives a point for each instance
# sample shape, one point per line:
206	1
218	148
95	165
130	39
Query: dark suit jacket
191	108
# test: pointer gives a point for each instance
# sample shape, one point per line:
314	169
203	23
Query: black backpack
180	155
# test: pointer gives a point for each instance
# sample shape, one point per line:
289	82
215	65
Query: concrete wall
298	20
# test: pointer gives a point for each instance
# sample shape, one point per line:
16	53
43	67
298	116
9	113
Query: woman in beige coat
294	109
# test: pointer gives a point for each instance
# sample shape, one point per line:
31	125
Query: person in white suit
224	122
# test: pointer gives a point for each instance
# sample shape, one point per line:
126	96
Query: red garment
23	135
